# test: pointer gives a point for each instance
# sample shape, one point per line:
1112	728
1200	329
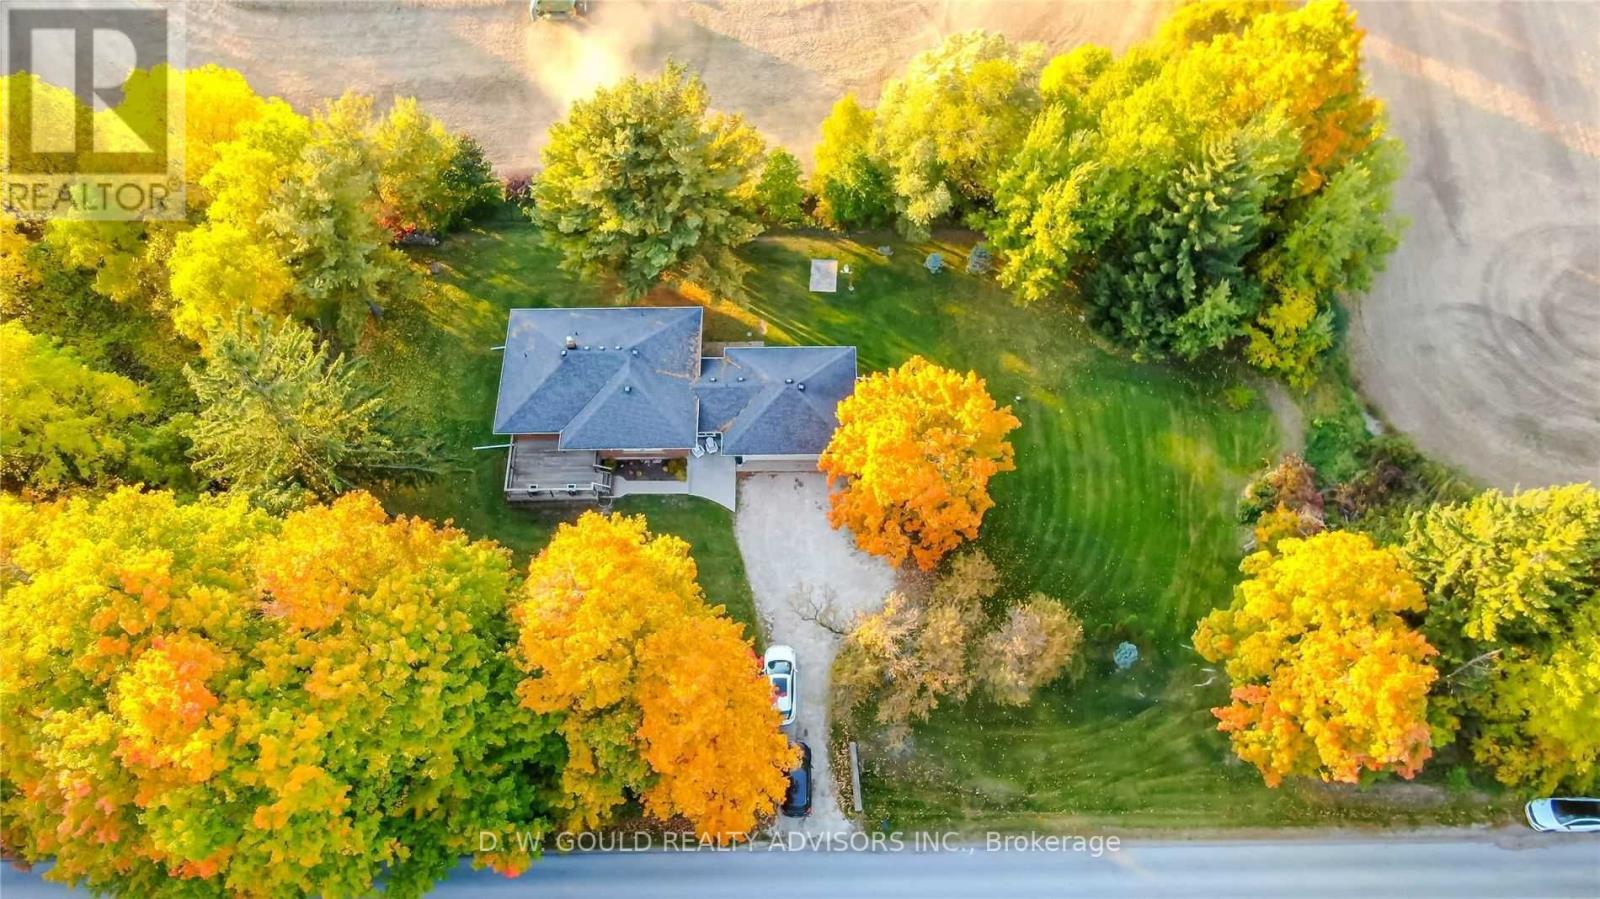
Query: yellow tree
910	463
218	104
61	421
414	152
1514	607
1328	679
206	700
659	694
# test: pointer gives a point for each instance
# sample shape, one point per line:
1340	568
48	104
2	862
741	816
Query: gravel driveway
799	566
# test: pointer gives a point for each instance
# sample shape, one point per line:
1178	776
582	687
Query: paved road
1472	868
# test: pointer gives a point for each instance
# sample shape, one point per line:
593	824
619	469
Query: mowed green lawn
1122	501
1122	506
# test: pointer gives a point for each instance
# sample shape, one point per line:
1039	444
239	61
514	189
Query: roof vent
788	380
586	348
627	388
741	377
616	347
635	352
800	387
563	352
572	341
713	379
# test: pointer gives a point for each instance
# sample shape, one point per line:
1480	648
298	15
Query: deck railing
561	486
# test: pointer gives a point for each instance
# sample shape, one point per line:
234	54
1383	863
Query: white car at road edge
1567	815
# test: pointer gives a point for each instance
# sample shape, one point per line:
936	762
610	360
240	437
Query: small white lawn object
824	276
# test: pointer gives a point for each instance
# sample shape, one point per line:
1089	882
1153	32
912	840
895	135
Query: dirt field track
1482	340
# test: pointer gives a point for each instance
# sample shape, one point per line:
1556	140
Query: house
599	403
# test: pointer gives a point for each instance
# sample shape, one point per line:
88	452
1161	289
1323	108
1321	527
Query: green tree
127	259
641	184
469	185
1514	606
324	219
49	296
414	151
281	418
1330	243
947	125
1255	108
306	191
428	179
61	422
1181	285
853	188
778	193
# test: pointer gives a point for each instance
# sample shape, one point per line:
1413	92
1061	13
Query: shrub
1031	647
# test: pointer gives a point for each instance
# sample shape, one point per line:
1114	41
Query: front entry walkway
713	476
710	477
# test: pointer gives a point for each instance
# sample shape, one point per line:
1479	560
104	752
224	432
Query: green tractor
544	9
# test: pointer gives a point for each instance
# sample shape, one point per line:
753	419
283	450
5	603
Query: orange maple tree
1328	679
660	694
910	463
203	699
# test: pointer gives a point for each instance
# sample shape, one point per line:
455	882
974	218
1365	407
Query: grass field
1122	506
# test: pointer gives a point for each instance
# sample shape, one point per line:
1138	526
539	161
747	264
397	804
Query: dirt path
797	564
1286	412
1482	340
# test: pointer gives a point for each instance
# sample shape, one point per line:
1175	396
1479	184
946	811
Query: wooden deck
538	472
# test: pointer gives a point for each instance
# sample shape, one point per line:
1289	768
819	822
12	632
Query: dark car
797	802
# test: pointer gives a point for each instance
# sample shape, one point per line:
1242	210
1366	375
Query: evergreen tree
1182	285
280	418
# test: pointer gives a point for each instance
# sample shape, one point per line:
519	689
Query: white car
779	666
1565	815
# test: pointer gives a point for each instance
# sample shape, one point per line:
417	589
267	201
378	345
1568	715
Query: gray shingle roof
786	403
636	381
627	385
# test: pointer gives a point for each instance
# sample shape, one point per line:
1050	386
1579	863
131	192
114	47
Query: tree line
220	349
1358	648
1208	195
209	698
